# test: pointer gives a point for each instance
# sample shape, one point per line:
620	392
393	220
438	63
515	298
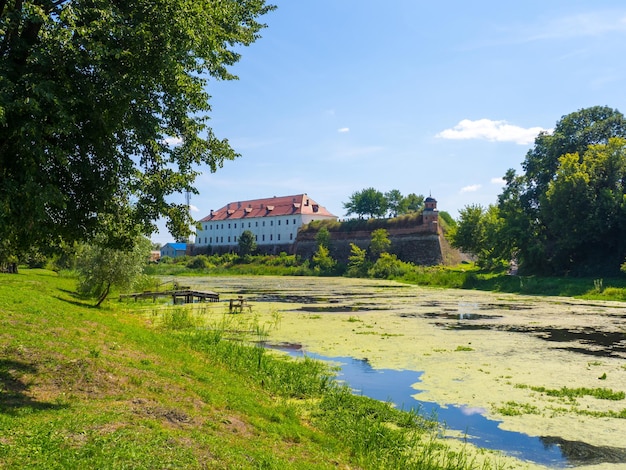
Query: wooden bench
237	305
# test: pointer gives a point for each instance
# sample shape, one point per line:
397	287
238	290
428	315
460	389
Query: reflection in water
396	386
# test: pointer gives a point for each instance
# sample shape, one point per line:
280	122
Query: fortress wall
415	246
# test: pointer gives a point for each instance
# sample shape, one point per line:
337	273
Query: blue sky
430	97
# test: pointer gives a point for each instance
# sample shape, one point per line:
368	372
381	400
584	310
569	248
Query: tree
100	267
585	205
412	203
323	238
103	111
379	243
369	201
477	233
323	263
247	243
533	205
358	263
394	202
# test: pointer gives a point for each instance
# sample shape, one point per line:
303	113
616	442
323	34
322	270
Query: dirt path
509	355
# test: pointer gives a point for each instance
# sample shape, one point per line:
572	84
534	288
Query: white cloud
493	131
193	208
471	188
343	130
173	141
499	181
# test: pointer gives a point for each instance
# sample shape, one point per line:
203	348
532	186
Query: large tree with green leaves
103	111
368	201
565	212
478	232
101	267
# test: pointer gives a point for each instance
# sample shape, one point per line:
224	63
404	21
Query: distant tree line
373	203
566	213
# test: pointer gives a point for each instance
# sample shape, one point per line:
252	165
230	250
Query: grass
126	387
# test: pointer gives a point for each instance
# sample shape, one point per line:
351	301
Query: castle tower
431	214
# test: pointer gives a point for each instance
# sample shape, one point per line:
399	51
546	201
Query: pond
488	365
400	386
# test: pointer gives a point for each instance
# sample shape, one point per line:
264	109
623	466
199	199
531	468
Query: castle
275	223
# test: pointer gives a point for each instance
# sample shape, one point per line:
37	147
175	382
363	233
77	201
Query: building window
205	240
235	225
278	237
256	238
222	226
222	240
287	221
228	239
235	238
271	237
229	227
272	223
291	236
263	223
263	237
294	221
248	224
256	224
210	239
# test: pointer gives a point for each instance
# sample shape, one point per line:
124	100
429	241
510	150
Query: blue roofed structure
174	250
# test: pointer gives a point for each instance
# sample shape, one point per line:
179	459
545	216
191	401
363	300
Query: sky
433	98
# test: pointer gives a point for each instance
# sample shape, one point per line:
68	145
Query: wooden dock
185	296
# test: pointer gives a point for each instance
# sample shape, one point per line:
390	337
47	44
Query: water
396	386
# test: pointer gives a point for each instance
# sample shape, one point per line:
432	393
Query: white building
273	221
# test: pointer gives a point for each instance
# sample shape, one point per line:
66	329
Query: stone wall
416	246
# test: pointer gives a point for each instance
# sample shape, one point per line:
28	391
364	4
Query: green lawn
82	387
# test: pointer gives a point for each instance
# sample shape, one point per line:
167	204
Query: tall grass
377	435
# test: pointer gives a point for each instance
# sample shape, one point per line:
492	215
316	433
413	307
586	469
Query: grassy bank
122	387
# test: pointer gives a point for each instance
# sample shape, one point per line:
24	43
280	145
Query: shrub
199	262
388	266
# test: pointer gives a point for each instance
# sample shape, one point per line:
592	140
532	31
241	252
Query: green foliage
478	232
379	243
231	263
572	393
199	262
388	266
358	264
375	204
394	202
100	267
104	111
247	243
447	219
567	212
323	238
369	201
323	263
412	203
352	225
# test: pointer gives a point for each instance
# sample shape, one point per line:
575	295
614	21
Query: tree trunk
104	294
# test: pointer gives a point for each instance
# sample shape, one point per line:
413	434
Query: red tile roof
269	207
